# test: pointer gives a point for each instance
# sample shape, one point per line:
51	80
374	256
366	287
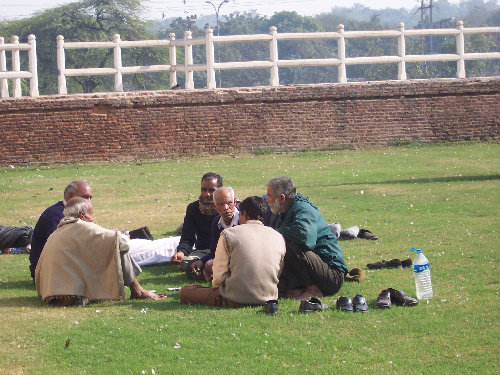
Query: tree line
99	20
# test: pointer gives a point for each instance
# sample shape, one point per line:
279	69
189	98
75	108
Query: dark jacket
46	225
196	230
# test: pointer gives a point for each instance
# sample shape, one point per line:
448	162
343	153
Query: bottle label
420	267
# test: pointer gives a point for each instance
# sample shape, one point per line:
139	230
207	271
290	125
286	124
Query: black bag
15	236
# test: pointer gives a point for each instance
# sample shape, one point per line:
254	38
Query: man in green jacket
314	263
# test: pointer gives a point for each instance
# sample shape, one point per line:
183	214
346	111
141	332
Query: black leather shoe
359	304
406	263
141	233
312	305
395	263
271	307
384	299
398	297
344	304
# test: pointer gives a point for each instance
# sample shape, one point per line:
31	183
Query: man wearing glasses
196	229
226	205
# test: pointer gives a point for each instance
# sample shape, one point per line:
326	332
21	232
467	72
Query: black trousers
304	268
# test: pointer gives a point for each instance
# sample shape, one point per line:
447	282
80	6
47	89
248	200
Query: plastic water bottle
422	275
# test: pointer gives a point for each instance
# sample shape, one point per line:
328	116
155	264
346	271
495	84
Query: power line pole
423	11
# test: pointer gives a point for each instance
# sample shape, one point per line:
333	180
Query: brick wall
153	125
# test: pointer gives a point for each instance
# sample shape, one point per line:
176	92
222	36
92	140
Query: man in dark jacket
314	263
196	229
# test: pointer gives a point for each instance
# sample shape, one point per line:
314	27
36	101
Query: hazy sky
12	9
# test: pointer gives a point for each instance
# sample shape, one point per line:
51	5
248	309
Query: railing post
460	50
274	79
173	61
16	67
117	54
402	52
211	82
4	85
33	66
188	49
61	66
341	50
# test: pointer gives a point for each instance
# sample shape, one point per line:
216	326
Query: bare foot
311	291
138	292
294	293
146	294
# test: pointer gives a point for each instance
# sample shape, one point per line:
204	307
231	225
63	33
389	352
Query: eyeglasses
229	203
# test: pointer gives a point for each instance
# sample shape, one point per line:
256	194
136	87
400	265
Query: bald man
50	218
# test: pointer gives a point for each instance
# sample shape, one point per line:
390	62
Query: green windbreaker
303	224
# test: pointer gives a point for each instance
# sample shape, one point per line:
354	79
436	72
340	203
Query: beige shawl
80	259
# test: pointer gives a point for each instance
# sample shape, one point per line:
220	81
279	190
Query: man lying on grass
247	265
83	262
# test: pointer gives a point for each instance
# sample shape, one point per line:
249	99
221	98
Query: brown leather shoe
366	234
398	297
384	299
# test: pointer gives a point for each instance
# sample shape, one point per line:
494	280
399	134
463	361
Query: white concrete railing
16	74
273	63
211	65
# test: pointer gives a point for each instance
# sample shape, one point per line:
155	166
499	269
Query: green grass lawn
443	199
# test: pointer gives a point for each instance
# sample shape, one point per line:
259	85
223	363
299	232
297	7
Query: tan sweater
248	262
80	259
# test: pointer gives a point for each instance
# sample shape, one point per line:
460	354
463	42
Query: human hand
208	270
177	258
196	267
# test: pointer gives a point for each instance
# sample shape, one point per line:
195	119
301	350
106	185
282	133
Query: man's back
46	225
256	258
80	258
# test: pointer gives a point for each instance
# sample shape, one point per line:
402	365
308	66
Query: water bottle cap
418	251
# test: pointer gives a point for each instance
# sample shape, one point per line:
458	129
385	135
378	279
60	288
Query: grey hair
283	185
72	188
77	205
218	190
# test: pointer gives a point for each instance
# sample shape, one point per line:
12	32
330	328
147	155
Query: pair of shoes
271	307
355	274
390	296
358	303
312	305
366	234
395	263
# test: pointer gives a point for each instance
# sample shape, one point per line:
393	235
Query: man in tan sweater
247	265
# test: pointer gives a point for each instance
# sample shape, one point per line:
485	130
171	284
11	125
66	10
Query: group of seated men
248	262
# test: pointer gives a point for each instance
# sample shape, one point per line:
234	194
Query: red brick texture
164	124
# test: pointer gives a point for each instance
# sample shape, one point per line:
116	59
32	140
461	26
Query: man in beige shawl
83	262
